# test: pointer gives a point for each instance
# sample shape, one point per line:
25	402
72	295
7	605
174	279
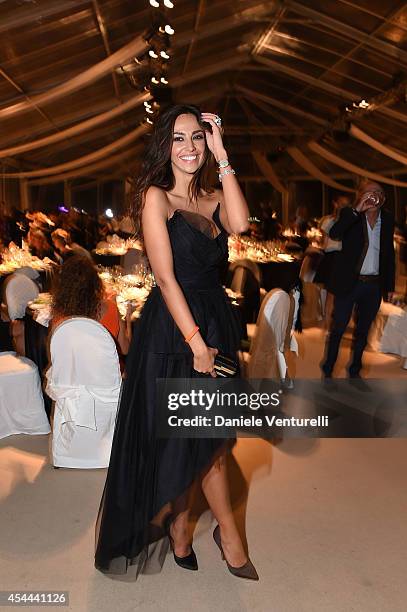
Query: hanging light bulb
149	121
154	80
154	3
150	111
168	4
164	80
165	55
169	30
153	54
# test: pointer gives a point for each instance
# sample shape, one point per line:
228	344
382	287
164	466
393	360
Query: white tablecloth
21	402
394	337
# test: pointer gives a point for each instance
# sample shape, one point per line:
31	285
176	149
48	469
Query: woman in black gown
185	224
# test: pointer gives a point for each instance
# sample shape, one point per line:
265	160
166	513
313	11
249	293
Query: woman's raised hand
214	140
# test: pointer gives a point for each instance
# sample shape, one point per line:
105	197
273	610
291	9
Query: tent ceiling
279	73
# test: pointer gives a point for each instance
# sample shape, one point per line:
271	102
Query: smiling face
188	145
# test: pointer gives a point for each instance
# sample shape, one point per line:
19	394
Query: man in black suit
363	272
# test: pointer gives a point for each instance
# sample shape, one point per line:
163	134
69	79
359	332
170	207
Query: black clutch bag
225	366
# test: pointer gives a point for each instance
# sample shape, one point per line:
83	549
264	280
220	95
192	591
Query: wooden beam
103	32
281	105
333	89
24	15
272	112
198	16
260	11
379	45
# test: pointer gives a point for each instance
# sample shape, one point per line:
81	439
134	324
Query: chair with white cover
19	290
394	336
21	403
84	381
272	337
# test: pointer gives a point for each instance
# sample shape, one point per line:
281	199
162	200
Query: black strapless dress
145	472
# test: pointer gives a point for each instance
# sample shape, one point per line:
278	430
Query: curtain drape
375	144
342	163
132	49
86	159
78	128
313	170
268	171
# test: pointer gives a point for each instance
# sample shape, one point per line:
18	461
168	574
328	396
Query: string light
362	104
159	43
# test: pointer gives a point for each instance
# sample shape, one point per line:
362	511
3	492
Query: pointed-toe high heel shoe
188	562
247	570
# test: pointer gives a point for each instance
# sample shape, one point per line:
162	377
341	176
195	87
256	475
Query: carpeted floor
325	522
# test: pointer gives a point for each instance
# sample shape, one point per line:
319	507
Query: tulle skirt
147	473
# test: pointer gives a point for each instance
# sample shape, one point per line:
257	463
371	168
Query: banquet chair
19	290
393	337
84	381
21	402
273	335
246	279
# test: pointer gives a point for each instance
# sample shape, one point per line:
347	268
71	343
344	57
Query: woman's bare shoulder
156	199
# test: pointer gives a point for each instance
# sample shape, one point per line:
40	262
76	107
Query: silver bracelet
223	163
225	172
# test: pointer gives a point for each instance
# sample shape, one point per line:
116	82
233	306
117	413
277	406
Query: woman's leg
216	490
179	528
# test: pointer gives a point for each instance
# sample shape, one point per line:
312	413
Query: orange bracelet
192	334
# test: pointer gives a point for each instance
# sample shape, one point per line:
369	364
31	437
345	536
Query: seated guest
302	239
78	292
39	245
301	216
255	231
65	247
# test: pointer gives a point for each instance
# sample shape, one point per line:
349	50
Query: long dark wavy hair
156	167
77	289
